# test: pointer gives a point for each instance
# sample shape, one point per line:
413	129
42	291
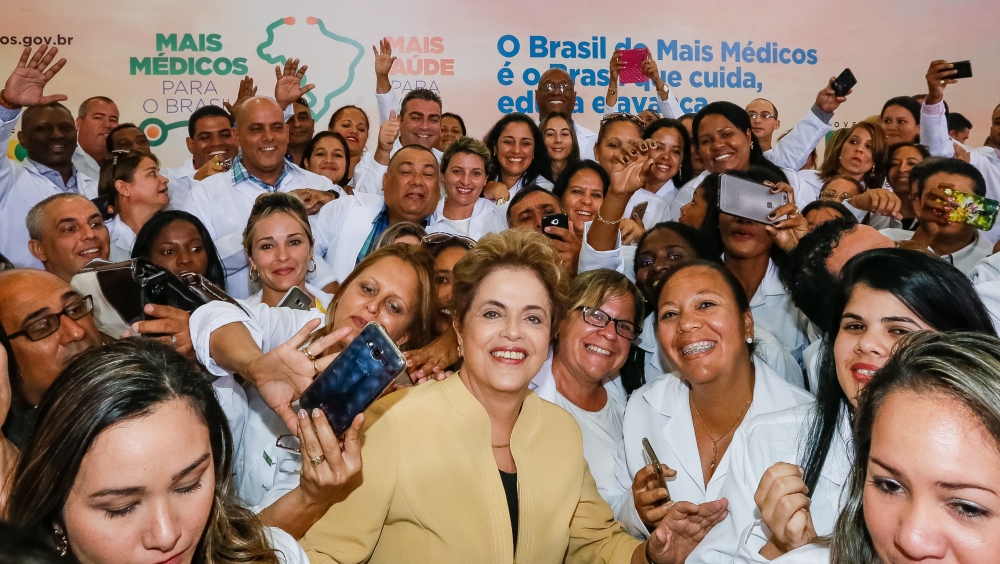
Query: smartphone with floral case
970	209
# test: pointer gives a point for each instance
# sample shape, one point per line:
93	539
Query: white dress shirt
658	207
766	440
368	174
224	206
934	135
602	430
122	239
22	185
660	411
261	462
808	554
340	230
86	164
774	311
965	259
486	218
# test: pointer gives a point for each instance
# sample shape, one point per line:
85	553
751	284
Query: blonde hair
267	205
596	287
421	327
513	249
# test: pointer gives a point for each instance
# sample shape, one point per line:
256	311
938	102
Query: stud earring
749	340
459	351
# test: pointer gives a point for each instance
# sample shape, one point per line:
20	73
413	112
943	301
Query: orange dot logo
153	132
312	20
289	20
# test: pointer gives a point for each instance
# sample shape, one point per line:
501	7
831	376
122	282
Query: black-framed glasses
437	239
49	324
621	115
562	87
761	115
597	318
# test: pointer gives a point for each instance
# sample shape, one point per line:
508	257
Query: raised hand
247	90
783	500
684	526
937	79
25	86
288	87
614	68
314	199
282	373
383	57
878	201
388	131
629	167
652	72
827	99
632	229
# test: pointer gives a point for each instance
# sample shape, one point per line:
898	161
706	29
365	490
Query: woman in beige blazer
476	468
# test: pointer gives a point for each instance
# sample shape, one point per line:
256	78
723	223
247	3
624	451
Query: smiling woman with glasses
581	373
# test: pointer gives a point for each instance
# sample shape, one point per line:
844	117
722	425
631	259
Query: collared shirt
86	164
241	174
55	177
964	259
379	224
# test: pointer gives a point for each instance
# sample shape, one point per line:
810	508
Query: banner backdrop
162	59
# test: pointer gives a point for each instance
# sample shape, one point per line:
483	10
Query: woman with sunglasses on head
518	158
581	373
132	186
463	211
706	330
271	348
132	461
937	397
788	474
278	242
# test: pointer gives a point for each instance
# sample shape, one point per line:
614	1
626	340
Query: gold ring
314	462
309	355
502	201
315	368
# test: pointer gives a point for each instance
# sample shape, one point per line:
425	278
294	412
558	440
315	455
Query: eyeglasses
833	195
619	116
289	443
562	87
49	324
761	115
436	239
598	318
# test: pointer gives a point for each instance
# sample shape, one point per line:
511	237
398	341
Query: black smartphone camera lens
376	353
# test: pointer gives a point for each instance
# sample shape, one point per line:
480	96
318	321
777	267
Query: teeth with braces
698	347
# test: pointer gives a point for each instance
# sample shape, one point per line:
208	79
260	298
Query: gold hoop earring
254	271
312	265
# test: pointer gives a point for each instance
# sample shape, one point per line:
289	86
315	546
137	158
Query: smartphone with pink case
632	73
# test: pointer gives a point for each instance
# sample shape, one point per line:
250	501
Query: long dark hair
113	384
540	163
143	247
684	172
959	365
739	118
710	191
570	171
934	290
311	146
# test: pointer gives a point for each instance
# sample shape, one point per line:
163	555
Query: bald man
223	201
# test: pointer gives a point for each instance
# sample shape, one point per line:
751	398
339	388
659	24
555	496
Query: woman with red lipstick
131	185
278	242
789	471
132	461
476	468
463	175
706	330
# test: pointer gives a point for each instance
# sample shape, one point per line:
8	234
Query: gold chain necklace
715	442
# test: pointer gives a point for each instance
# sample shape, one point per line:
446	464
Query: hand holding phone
632	71
657	467
639	211
296	298
555	220
963	69
970	209
843	84
749	200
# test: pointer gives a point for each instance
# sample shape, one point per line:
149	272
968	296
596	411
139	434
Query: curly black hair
806	277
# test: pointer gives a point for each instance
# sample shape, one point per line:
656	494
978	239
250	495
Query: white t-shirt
461	226
602	432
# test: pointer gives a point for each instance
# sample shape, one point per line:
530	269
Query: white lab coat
21	187
766	440
340	230
122	239
224	206
180	180
600	440
965	259
658	207
934	135
86	164
486	218
660	411
808	554
261	461
774	311
368	174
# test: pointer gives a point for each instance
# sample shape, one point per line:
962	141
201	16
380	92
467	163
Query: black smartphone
748	199
296	298
844	83
555	220
356	378
963	69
